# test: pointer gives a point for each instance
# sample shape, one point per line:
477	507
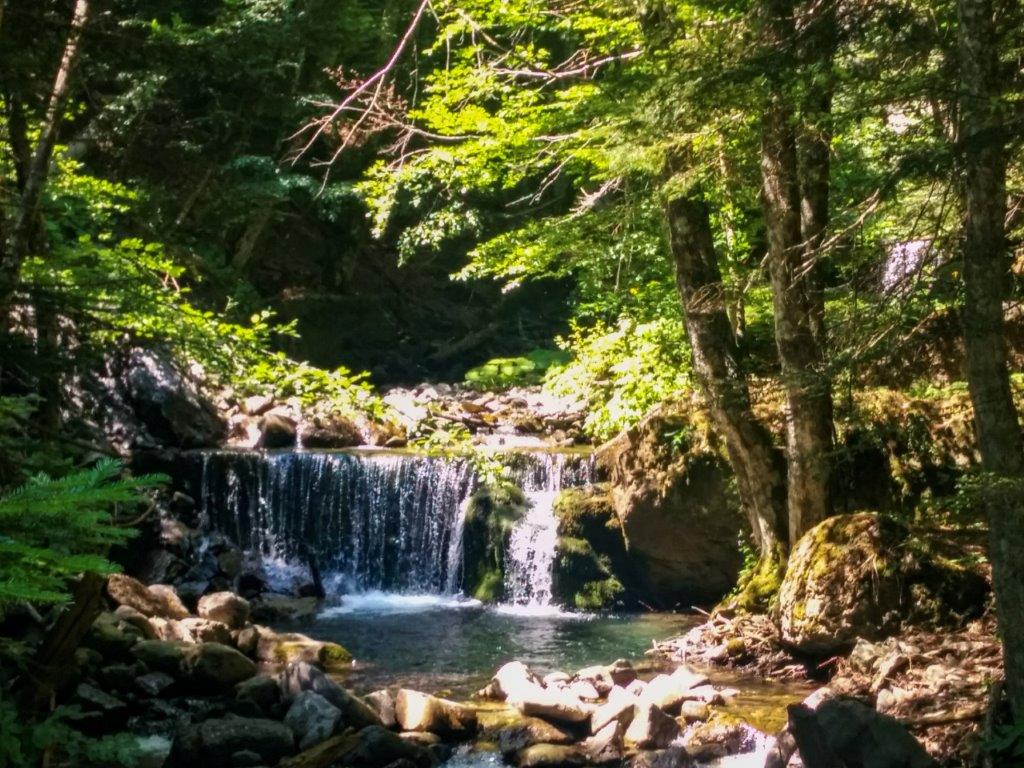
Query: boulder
529	731
618	707
673	757
247	640
172	607
383	703
168	402
662	491
132	617
124	590
205	630
552	704
849	733
154	683
277	431
607	745
379	747
256	405
650	728
161	656
860	576
294	647
302	676
717	739
417	711
668	692
550	756
263	692
511	679
225	607
312	718
276	608
333	432
694	712
218	668
214	742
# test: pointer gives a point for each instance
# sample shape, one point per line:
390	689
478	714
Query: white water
530	559
380	603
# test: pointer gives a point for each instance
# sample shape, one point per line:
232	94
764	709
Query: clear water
453	646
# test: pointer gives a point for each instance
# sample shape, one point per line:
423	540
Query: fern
53	529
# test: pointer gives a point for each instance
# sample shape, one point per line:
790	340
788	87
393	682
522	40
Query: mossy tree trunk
796	294
986	270
758	466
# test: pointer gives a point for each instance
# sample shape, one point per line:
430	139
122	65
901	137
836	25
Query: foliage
624	371
505	372
53	529
23	745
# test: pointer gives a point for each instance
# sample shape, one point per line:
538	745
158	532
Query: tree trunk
35	179
986	269
808	389
754	459
818	38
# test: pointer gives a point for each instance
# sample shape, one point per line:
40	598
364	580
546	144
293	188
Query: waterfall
380	521
529	562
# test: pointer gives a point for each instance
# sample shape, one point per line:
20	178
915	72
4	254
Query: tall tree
35	175
759	469
796	298
986	269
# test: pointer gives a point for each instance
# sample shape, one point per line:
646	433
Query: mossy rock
583	579
492	513
865	576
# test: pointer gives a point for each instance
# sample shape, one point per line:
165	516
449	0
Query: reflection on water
440	644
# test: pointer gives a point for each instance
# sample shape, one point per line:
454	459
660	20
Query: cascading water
529	562
380	521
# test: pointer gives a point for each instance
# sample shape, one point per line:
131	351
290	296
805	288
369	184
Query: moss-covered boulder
864	575
591	568
491	515
673	496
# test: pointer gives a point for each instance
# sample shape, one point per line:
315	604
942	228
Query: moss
492	513
490	587
583	578
334	655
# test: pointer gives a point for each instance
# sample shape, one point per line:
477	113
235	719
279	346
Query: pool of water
452	646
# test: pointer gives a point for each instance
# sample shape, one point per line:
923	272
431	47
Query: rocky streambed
211	687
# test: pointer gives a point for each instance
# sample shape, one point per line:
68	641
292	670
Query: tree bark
38	170
817	53
808	389
757	464
986	270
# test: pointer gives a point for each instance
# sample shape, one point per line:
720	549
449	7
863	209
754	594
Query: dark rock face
213	743
862	576
168	403
678	517
848	733
277	431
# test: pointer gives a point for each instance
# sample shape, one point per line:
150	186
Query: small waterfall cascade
391	522
529	562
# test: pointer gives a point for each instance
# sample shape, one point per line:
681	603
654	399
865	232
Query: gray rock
246	759
169	404
312	718
383	703
417	711
213	743
154	683
379	747
225	607
302	676
218	668
530	731
161	656
263	692
651	728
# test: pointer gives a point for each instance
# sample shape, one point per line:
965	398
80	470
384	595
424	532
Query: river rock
213	743
673	757
171	604
256	405
277	430
335	432
383	703
379	747
417	711
161	656
668	692
205	630
225	607
530	731
144	625
218	668
694	712
849	733
618	707
154	683
551	704
294	647
301	676
715	739
659	492
513	680
124	590
276	608
312	718
607	745
550	756
650	728
263	692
